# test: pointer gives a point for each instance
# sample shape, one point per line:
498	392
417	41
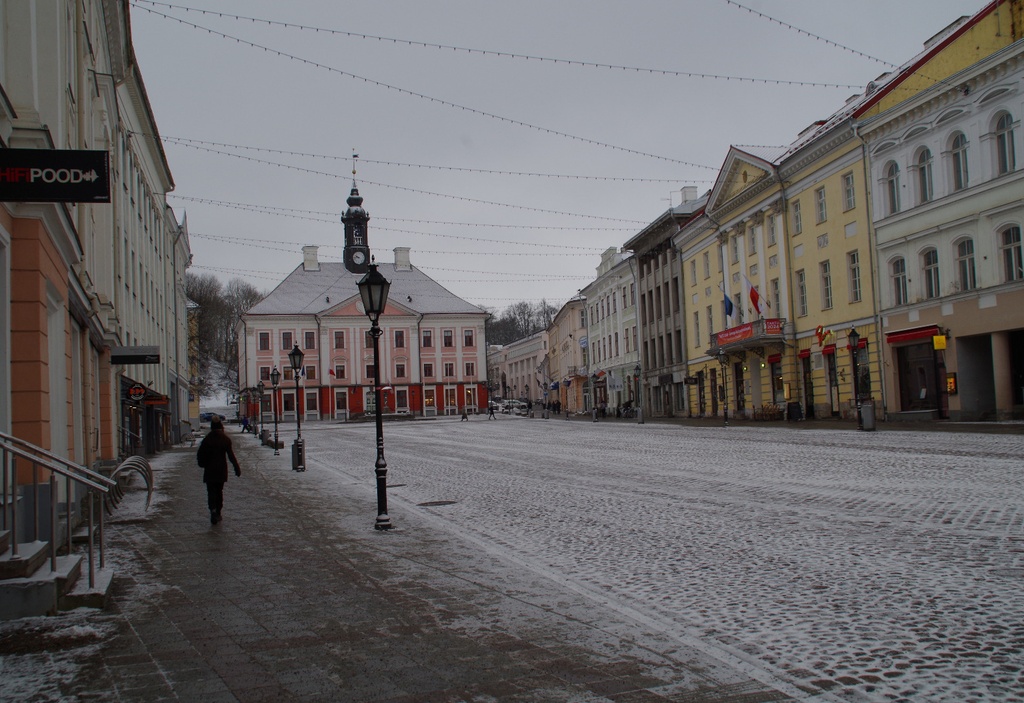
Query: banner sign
54	176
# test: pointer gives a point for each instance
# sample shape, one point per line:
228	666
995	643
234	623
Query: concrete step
82	595
40	593
5	540
31	556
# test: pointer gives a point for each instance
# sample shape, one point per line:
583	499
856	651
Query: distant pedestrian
245	424
490	412
465	417
214	453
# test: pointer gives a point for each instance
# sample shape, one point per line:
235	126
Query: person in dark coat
214	453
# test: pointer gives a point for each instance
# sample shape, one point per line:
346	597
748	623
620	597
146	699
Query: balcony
751	336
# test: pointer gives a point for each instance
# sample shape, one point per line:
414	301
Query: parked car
206	417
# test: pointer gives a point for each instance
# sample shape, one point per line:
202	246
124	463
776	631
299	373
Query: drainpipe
876	279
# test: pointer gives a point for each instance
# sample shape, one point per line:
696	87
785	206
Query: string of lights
414	94
461	198
501	54
286	212
459	169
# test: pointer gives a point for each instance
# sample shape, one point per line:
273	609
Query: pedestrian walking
490	412
214	453
245	424
465	417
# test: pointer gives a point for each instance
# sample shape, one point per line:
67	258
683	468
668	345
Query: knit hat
216	424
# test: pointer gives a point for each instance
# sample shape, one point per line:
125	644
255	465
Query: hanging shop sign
136	392
135	355
54	176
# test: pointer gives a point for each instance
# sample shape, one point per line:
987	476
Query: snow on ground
887	565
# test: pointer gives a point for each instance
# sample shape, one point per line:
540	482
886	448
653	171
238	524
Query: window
1013	266
339	372
776	293
958	160
467	338
370	371
264	373
339	340
449	369
428	338
798	218
696	328
399	370
892	187
801	292
428	370
925	190
853	271
772	234
707	264
709	311
286	341
367	340
930	268
309	340
735	243
849	194
819	205
311	373
449	338
693	272
899	281
399	339
965	264
826	285
264	341
470	369
752	243
1005	157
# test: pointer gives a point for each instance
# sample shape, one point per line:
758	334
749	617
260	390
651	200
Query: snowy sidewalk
295	597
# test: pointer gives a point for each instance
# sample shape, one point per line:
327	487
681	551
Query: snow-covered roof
310	292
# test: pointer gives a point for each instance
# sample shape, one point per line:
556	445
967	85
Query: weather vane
355	157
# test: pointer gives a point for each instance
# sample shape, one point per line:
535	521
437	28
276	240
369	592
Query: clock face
358	257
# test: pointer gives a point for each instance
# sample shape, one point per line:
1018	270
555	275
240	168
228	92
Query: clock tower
357	247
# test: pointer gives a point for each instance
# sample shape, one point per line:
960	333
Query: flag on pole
755	297
728	305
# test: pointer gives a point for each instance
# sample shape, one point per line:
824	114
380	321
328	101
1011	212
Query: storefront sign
939	342
137	392
135	355
54	176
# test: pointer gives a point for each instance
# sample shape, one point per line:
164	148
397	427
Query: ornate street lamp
275	379
373	288
723	359
295	357
260	388
854	338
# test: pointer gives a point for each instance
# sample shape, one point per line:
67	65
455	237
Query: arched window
1010	244
899	281
930	268
924	176
965	265
958	160
1006	160
892	187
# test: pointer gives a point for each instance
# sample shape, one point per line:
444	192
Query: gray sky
450	182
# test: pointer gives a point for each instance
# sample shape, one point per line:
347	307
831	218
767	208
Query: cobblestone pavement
874	566
294	596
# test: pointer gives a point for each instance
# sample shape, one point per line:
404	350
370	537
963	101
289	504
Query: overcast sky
507	175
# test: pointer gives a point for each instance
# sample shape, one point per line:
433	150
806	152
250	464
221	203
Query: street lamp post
260	388
639	395
373	288
275	379
723	359
854	338
295	357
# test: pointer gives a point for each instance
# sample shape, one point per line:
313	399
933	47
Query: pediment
353	307
740	172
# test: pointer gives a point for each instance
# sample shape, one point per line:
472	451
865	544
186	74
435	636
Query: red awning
913	334
829	349
803	354
774	358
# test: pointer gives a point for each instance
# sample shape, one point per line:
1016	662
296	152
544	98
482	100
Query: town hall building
433	350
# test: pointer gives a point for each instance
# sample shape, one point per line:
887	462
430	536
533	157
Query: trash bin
867	415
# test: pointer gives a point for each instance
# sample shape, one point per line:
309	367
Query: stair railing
15	449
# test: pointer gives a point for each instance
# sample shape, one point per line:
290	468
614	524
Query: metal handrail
15	448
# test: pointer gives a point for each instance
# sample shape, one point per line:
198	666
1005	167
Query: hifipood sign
54	176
